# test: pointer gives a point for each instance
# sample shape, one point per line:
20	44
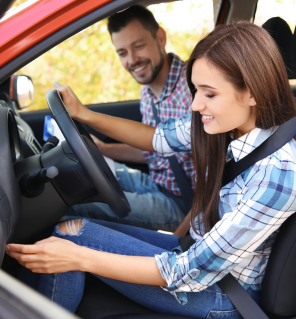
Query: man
155	199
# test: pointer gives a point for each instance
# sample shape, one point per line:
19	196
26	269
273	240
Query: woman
240	92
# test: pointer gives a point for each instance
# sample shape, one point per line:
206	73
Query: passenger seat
294	61
282	35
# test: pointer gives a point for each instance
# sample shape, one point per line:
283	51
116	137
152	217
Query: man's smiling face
139	52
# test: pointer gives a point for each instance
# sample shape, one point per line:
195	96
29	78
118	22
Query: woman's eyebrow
206	86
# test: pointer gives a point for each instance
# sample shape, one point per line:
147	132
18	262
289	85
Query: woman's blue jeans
67	288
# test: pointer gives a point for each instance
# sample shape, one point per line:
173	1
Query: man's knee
71	227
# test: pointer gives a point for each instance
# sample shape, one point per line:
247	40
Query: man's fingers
56	84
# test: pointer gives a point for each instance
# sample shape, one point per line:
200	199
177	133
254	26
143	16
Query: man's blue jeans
67	288
150	208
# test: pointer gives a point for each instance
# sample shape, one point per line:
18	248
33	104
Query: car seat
282	35
294	61
294	53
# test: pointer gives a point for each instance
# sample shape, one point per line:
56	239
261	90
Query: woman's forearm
134	269
133	133
57	255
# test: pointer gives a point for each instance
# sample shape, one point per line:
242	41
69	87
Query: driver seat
278	294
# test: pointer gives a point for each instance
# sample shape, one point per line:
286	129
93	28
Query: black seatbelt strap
180	176
243	302
277	140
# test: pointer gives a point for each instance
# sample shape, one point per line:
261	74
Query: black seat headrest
294	54
282	35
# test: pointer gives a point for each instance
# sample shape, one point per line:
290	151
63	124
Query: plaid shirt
174	102
252	208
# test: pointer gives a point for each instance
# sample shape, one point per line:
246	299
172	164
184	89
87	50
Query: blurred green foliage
18	2
89	64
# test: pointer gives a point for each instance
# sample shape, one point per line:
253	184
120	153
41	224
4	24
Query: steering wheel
89	156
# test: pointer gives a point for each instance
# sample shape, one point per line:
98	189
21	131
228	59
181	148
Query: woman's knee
71	227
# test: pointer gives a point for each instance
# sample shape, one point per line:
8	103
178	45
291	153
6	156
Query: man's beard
155	70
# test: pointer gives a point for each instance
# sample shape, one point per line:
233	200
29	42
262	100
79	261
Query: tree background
89	64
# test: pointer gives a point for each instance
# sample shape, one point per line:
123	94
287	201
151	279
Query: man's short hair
120	20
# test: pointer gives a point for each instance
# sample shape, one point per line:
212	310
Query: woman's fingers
24	249
51	255
24	258
30	249
29	261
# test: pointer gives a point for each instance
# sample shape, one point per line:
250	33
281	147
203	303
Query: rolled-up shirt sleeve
266	200
173	136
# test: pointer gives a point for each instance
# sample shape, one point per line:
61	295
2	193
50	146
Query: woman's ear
161	37
252	101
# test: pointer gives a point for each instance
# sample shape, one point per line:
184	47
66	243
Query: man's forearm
133	133
129	132
124	152
182	230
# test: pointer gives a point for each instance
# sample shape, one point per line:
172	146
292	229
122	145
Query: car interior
39	182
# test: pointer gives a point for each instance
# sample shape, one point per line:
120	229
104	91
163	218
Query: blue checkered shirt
174	102
252	208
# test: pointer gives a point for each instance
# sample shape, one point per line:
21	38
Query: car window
286	10
89	64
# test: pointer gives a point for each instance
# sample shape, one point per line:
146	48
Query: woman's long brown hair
248	58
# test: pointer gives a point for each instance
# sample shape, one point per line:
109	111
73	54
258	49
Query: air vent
33	144
3	104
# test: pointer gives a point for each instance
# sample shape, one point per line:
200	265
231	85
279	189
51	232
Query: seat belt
180	176
243	302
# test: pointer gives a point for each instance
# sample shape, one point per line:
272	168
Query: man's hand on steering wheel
88	155
74	107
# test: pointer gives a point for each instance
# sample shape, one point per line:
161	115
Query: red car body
28	27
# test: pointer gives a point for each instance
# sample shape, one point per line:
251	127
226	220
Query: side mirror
22	91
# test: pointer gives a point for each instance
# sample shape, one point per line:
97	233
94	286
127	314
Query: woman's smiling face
222	107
